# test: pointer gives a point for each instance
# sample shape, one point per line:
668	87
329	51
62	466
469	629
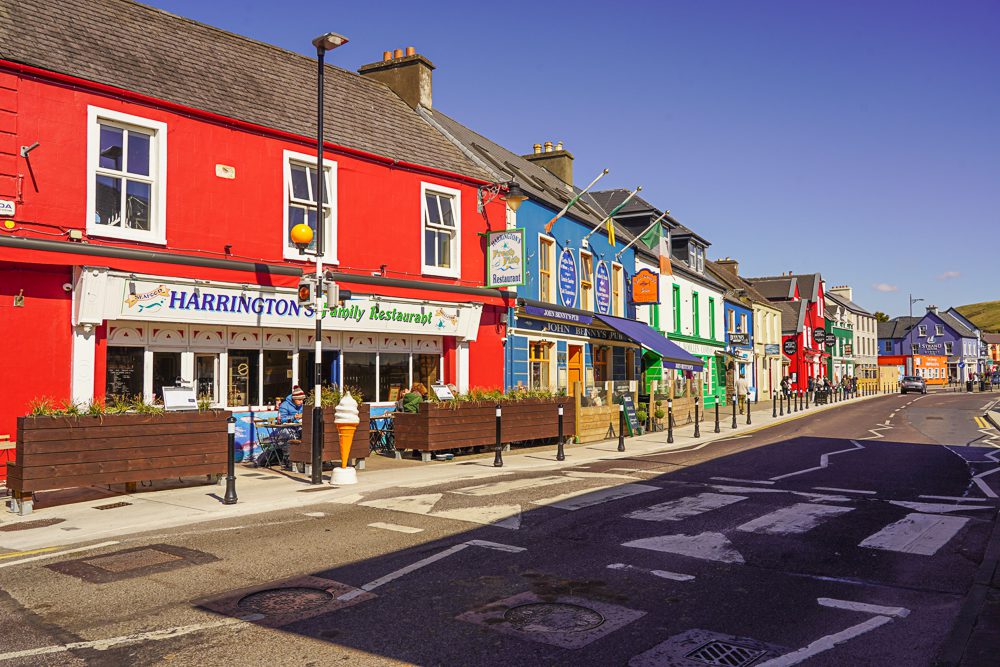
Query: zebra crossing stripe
921	534
797	518
683	508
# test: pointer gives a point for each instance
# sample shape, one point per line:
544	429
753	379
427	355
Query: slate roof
149	51
897	327
962	319
956	324
992	338
733	281
781	289
608	199
793	315
847	303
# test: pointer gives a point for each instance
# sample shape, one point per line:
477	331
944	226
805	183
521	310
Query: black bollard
316	460
807	399
697	418
717	415
621	427
498	458
781	405
560	452
230	497
774	404
748	410
734	413
670	421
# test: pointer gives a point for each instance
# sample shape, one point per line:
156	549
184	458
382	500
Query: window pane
298	215
300	183
359	373
244	371
307	369
315	188
138	154
433	215
109	201
204	376
137	196
393	375
447	215
426	368
166	372
124	372
430	248
277	375
110	156
444	250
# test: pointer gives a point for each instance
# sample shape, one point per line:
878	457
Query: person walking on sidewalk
742	389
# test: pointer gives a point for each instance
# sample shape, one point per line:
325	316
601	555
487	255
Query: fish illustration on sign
507	258
443	316
152	300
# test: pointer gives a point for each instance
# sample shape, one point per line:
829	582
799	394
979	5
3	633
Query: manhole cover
28	525
132	560
725	653
553	617
284	600
112	506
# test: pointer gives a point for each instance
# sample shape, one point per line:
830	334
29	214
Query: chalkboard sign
631	419
123	374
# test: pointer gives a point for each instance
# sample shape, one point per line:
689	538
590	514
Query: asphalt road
855	536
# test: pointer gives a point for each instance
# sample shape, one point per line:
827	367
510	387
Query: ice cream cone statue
346	419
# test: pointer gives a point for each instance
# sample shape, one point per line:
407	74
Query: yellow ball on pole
301	235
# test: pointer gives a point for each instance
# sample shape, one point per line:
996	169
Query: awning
673	355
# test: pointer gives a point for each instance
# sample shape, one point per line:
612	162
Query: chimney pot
398	53
386	55
559	165
410	51
559	146
548	146
537	148
410	79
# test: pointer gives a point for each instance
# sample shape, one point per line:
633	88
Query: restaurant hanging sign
645	287
505	258
790	346
568	283
603	289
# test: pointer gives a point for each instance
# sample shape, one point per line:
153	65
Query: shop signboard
603	291
737	338
571	330
819	335
568	283
790	346
772	349
645	287
505	258
848	349
557	314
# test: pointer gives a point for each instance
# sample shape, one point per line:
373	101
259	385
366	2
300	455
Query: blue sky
857	138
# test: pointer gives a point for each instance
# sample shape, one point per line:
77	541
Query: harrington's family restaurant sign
505	258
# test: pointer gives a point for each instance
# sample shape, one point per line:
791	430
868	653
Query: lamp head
301	235
515	196
329	41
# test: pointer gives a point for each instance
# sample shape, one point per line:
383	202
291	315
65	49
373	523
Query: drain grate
553	617
112	506
28	525
278	601
934	418
725	654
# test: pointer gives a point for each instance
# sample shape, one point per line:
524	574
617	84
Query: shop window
330	375
538	365
166	372
546	258
617	304
441	230
243	377
277	375
586	280
127	172
359	373
602	364
301	195
206	377
680	384
427	369
393	375
630	364
124	372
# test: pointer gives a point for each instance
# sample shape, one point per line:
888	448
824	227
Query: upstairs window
695	314
586	281
546	259
127	175
922	330
440	241
301	195
938	330
949	348
617	303
676	300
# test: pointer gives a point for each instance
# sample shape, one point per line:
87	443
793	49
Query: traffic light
306	292
336	296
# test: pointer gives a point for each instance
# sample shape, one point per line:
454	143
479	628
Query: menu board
631	419
124	371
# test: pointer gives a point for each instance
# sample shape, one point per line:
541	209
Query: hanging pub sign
505	258
831	341
568	283
603	292
739	338
819	335
645	287
791	347
848	350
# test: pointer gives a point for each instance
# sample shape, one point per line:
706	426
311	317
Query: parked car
912	383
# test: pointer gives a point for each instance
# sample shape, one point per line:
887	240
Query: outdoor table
277	435
381	435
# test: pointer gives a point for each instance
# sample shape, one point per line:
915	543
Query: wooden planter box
64	452
594	422
450	425
301	452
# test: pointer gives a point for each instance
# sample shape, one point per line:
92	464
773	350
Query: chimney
843	291
556	159
730	265
407	73
932	309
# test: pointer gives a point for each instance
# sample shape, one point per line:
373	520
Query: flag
611	232
652	237
574	200
665	268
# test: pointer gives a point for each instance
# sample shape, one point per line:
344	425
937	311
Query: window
602	353
743	323
695	314
243	376
732	321
586	280
617	305
546	259
301	195
938	330
442	227
914	349
711	318
888	346
126	176
277	375
538	365
426	369
359	373
393	375
677	308
949	348
922	330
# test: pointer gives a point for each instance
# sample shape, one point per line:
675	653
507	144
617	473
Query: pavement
73	516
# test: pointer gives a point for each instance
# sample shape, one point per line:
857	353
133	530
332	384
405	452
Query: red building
154	169
802	302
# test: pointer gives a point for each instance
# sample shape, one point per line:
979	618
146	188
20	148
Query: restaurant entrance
574	366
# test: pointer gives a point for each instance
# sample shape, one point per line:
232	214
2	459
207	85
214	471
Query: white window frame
620	310
158	175
922	330
329	200
548	242
938	330
949	349
456	250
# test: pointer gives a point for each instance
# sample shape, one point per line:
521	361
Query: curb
989	417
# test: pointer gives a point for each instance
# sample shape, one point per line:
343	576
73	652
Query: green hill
984	315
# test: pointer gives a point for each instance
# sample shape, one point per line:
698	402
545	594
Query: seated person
411	400
290	409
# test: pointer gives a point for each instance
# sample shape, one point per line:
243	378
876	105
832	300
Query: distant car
912	383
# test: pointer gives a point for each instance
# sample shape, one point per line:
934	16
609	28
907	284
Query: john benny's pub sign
232	306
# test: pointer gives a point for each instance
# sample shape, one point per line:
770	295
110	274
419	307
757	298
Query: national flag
611	232
652	237
574	200
665	266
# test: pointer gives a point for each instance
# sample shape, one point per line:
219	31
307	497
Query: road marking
826	643
895	612
978	479
496	488
15	554
663	574
683	508
833	488
112	642
937	508
595	475
797	518
980	422
59	553
395	527
876	432
580	499
501	516
921	534
315	515
824	461
804	494
422	504
959	499
705	546
424	562
744	481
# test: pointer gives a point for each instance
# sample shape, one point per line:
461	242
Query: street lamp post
912	361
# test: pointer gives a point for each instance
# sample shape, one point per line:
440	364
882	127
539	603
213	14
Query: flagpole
568	206
641	234
611	215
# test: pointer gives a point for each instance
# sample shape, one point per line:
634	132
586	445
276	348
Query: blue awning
674	356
